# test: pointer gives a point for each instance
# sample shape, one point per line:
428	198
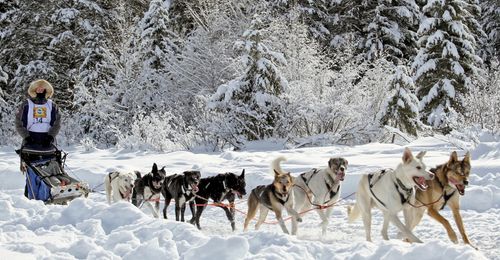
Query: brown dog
444	190
275	197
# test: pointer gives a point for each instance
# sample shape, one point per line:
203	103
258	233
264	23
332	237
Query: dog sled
46	178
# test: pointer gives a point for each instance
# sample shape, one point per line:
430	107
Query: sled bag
36	187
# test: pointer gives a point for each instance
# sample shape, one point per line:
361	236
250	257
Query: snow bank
92	229
88	229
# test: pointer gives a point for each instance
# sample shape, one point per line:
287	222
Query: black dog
182	188
148	189
224	186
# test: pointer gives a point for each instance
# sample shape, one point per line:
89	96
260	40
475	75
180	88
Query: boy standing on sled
38	120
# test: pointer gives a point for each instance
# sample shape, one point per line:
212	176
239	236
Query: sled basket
46	178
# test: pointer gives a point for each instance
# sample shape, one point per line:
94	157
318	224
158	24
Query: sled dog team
409	188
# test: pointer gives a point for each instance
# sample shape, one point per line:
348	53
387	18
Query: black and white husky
321	187
224	186
182	188
148	189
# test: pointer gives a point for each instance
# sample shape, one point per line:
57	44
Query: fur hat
49	90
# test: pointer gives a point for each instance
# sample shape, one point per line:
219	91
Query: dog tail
353	212
275	165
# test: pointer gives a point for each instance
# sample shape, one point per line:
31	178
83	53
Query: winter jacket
22	122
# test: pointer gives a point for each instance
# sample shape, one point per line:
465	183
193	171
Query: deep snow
92	229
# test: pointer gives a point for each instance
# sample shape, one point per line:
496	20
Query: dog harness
112	178
329	186
306	180
280	197
370	185
408	191
404	196
446	197
186	191
260	192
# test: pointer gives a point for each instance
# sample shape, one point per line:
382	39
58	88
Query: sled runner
46	178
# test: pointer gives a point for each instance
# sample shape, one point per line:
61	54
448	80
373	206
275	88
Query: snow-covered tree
490	20
306	71
392	29
154	50
483	102
401	108
6	112
9	13
251	104
446	61
205	60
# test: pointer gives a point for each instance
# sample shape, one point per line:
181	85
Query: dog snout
342	168
466	182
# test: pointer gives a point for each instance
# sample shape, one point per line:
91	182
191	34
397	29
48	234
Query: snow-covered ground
91	229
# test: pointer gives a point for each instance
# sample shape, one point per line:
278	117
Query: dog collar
281	198
400	184
408	191
186	191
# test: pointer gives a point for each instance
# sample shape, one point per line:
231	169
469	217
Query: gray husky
321	187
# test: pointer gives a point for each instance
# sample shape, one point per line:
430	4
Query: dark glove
48	140
28	140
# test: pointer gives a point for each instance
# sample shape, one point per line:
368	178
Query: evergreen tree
9	13
446	61
153	52
401	108
490	20
392	30
251	104
5	110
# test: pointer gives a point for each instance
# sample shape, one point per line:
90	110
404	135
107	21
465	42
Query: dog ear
453	157
242	174
467	158
346	162
421	155
155	168
276	173
407	155
331	162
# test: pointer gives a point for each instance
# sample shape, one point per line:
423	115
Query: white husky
390	190
119	186
320	187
